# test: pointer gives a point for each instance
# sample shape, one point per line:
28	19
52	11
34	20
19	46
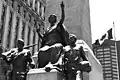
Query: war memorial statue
20	60
53	40
56	43
75	59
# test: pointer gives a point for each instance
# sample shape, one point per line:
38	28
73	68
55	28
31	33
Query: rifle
9	52
26	47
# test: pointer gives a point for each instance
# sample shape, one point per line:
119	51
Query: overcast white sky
103	13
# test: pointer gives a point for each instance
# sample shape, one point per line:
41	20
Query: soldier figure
19	58
74	59
53	40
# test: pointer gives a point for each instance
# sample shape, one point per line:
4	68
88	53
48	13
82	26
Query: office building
107	54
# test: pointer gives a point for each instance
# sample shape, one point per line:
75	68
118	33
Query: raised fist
62	4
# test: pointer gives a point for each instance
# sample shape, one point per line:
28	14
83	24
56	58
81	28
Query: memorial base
38	74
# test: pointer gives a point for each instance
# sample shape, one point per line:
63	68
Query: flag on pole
103	37
110	34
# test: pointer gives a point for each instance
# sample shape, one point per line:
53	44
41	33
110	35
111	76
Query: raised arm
39	34
63	13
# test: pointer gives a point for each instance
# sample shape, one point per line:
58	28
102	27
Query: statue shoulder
67	48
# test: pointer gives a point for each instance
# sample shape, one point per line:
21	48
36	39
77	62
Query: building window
9	29
113	53
106	49
42	12
114	56
115	72
28	37
30	18
36	6
100	50
3	16
40	8
12	3
100	53
114	60
107	61
107	68
108	72
100	56
18	8
24	12
108	75
23	29
16	29
31	3
108	78
35	23
107	58
107	52
112	46
34	36
107	65
106	55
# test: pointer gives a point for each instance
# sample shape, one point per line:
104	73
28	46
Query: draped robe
52	43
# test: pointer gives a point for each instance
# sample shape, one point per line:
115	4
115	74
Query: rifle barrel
29	46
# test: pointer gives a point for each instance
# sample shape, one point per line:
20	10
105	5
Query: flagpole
116	49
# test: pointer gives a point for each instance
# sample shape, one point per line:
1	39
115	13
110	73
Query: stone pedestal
38	74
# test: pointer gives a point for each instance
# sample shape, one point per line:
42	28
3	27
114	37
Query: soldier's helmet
20	41
72	36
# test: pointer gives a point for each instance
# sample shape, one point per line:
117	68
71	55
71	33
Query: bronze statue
53	40
20	59
74	59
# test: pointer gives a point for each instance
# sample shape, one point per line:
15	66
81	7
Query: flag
110	34
97	42
103	37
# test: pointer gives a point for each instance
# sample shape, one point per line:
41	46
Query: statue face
72	40
20	44
52	19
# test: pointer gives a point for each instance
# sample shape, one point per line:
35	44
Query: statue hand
62	4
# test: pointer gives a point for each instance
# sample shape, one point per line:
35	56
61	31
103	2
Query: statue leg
43	57
55	53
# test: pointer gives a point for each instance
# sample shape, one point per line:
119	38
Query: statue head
52	19
20	44
72	38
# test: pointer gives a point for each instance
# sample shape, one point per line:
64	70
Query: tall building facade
19	19
107	54
77	17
